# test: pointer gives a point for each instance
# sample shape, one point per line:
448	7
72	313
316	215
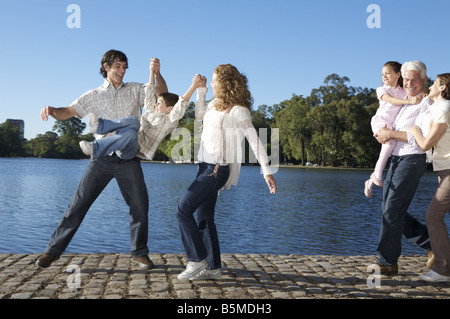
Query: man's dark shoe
143	262
382	269
45	260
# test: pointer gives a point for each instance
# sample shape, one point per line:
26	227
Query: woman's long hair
233	88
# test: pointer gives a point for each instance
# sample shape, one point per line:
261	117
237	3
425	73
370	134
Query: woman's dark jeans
200	238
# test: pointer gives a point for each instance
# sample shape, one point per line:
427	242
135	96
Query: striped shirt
155	126
110	103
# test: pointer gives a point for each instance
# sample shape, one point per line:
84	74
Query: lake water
315	211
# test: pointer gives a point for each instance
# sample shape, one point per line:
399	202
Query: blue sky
284	47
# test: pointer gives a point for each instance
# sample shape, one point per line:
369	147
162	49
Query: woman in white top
226	120
437	129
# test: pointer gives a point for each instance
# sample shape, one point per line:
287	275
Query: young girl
228	112
391	96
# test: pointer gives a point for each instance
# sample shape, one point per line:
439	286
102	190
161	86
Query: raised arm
155	74
150	88
200	105
197	81
179	108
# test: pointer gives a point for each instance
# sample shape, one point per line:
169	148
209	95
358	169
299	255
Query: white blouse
439	113
222	139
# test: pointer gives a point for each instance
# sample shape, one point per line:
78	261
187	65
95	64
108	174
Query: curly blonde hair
233	88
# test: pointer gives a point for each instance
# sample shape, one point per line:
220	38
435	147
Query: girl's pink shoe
368	188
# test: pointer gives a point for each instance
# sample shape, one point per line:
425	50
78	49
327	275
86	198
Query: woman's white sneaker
193	268
434	277
207	274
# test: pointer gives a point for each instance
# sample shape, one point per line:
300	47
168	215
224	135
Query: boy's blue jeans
200	238
124	142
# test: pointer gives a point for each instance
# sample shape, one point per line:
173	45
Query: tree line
330	127
62	142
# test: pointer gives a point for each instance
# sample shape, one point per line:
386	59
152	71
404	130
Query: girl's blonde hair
233	88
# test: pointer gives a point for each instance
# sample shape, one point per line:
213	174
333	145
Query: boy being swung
129	137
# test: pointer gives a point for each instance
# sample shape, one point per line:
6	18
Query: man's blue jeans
98	174
399	186
200	240
124	142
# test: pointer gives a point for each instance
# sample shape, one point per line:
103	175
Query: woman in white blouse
226	120
438	137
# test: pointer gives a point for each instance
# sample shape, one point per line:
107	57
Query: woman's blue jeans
124	142
199	237
98	174
399	186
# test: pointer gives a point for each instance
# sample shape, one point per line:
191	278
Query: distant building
20	124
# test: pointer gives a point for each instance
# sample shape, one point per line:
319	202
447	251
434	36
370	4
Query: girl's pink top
387	112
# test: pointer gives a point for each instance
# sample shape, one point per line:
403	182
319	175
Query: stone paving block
244	276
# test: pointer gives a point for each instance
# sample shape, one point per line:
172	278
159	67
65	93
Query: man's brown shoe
45	260
383	270
143	262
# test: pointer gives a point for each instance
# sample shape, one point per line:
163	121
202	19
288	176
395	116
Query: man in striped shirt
113	99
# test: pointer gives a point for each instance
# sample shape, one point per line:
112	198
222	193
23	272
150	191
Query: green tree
329	127
334	89
43	145
361	148
261	117
11	144
70	133
295	130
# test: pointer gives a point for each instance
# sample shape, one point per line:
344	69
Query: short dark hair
109	58
170	98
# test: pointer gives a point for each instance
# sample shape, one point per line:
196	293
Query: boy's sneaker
45	260
193	268
86	147
207	274
143	262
